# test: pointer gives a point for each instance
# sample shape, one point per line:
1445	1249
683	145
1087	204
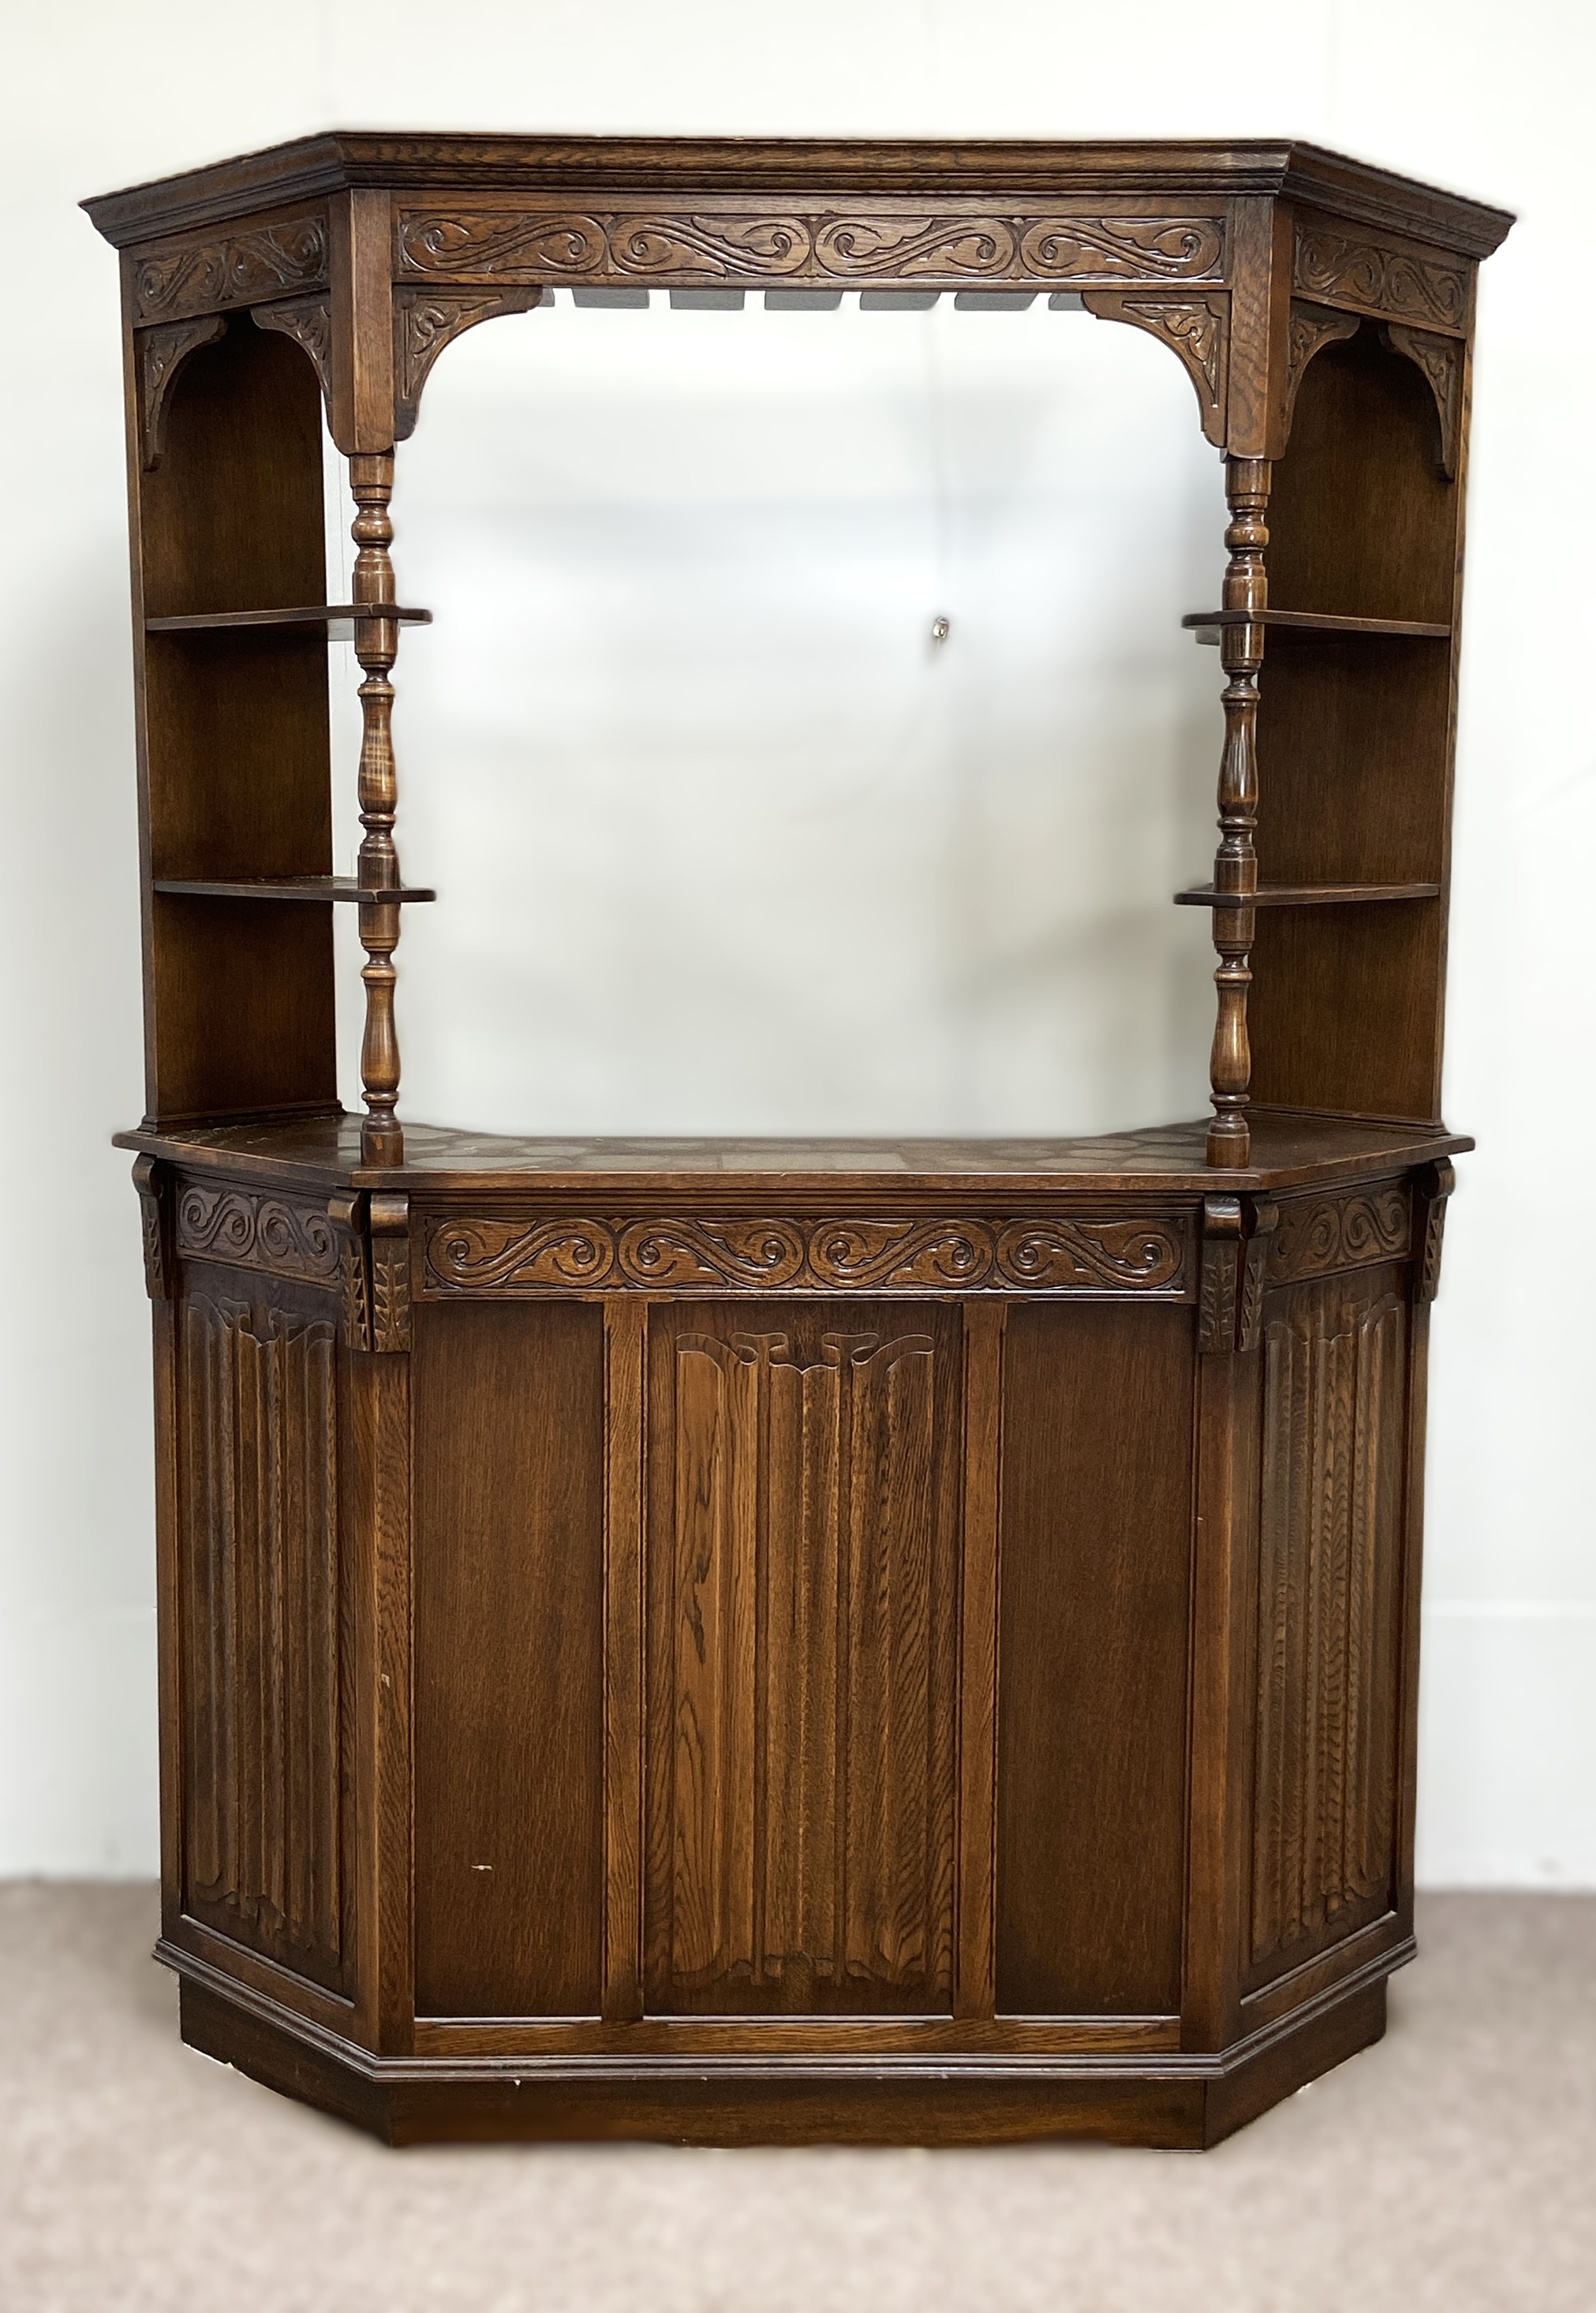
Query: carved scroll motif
1312	328
426	321
1060	1254
822	246
162	353
246	1228
1317	1236
235	269
1440	361
308	320
1196	328
1391	284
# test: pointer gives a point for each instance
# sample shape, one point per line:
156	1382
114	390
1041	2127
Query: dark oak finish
735	1641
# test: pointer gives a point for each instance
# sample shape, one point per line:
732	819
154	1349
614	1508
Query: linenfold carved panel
802	1744
1331	1547
1059	1255
1394	285
235	268
1316	1235
821	245
247	1228
263	1822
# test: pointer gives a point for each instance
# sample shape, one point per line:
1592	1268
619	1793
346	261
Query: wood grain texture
1330	1553
263	1841
1095	1581
801	1528
626	1341
509	1648
975	1987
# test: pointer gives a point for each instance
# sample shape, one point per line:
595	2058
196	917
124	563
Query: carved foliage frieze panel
803	1750
263	1807
1061	1253
847	247
1330	1545
1372	277
1315	1236
250	1228
234	268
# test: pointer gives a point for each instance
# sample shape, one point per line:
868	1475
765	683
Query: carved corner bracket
389	1223
346	1214
149	1179
426	321
1238	1242
1433	1185
1196	326
308	322
162	354
1440	361
1309	331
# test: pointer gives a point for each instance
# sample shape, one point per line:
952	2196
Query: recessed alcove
724	841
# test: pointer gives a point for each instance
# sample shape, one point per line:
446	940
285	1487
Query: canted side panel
509	1607
1094	1587
265	1818
802	1603
1335	1359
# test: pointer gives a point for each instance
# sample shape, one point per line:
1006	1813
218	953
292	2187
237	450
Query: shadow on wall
725	838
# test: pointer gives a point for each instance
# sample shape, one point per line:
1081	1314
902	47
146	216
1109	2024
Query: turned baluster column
1236	863
376	644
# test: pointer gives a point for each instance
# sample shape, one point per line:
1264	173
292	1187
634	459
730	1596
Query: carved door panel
264	1820
803	1602
1331	1542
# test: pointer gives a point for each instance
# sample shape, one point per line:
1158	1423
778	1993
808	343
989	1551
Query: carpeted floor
1453	2167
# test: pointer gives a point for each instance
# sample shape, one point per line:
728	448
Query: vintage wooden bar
729	1641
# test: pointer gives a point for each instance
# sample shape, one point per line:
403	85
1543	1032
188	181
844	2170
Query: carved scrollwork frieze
250	1228
826	246
1317	1236
235	268
911	1255
1393	284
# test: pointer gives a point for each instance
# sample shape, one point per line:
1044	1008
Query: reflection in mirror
806	741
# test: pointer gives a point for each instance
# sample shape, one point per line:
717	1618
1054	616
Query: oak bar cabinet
737	1642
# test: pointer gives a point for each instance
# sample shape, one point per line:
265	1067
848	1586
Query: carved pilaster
1236	863
346	1213
1218	1283
390	1273
376	644
1255	1265
149	1180
1433	1185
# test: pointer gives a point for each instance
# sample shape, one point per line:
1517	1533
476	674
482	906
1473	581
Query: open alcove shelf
751	1641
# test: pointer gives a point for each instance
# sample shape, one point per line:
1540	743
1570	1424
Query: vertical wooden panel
626	1324
381	1616
509	1651
1094	1587
1325	1798
974	1989
264	1822
803	1511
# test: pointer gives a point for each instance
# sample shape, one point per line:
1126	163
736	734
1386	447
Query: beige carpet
1454	2168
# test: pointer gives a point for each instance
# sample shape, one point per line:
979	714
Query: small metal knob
941	629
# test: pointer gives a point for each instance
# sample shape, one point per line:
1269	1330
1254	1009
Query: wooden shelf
1206	624
1304	895
338	618
287	887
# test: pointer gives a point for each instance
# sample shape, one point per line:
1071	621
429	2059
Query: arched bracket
1197	327
1310	329
424	320
308	320
162	353
1441	359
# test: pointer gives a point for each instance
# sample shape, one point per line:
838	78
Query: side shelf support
1236	863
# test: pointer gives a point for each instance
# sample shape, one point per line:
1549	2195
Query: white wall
961	464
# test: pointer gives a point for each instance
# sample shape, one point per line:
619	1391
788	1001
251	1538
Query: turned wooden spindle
1236	863
376	643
